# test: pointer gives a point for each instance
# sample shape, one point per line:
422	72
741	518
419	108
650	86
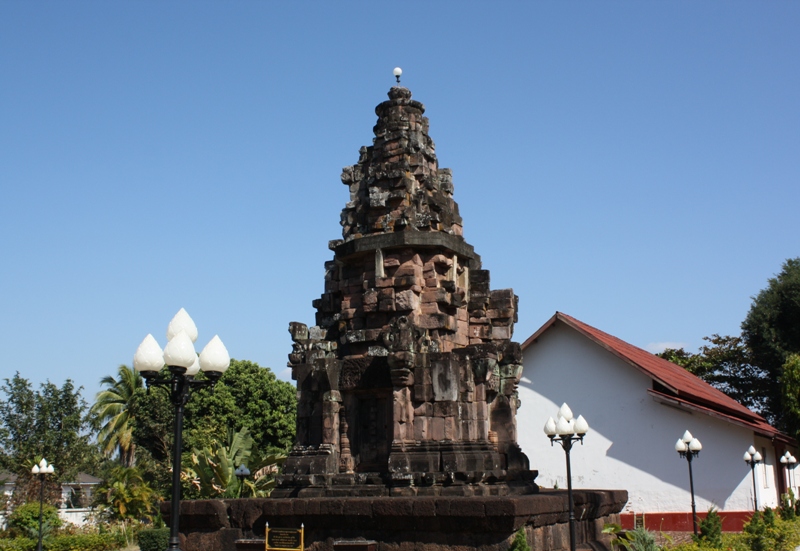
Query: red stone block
451	431
436	428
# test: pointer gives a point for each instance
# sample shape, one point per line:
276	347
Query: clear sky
633	164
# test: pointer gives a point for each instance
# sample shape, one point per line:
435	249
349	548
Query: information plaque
284	539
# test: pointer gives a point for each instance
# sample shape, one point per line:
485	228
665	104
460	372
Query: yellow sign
284	539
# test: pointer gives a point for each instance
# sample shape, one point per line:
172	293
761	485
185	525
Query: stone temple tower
407	380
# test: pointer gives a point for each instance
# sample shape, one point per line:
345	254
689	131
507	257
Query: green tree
710	530
247	396
771	331
113	409
790	391
53	422
152	417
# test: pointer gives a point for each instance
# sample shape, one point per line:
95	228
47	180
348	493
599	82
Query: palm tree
113	407
125	496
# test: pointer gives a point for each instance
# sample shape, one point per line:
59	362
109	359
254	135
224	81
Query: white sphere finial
397	72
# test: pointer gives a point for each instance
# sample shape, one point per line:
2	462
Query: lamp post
41	469
567	431
788	461
689	447
183	364
753	458
241	473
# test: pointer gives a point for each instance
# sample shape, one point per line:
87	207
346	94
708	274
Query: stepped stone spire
407	381
396	184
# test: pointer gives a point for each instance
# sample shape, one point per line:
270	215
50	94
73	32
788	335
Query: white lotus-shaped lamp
42	468
564	427
182	322
550	427
180	352
195	367
581	426
215	358
149	358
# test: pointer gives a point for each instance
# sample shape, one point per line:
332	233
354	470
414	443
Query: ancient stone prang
407	382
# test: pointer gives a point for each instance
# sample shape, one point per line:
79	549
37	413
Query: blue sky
633	164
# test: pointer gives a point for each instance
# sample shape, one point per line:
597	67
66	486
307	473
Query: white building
76	497
638	405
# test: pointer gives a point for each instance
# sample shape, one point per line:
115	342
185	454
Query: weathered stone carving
407	382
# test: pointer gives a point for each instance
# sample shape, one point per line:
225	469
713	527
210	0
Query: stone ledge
392	240
483	523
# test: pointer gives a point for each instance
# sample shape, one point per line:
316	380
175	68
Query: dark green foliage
124	495
52	422
24	520
788	506
18	544
154	540
247	396
710	530
790	392
520	543
68	542
771	331
86	542
113	409
768	532
152	415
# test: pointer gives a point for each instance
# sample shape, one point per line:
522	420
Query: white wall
631	440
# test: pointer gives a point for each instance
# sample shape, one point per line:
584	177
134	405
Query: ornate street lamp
789	461
567	431
753	458
689	447
183	364
41	469
241	473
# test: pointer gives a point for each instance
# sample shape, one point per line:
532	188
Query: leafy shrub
710	530
639	539
71	542
642	540
24	520
788	506
86	542
158	539
767	532
520	543
17	544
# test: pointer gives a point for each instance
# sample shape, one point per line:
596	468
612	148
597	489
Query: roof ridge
686	385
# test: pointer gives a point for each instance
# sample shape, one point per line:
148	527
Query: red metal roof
683	388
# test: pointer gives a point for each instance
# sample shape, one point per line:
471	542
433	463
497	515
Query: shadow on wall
654	455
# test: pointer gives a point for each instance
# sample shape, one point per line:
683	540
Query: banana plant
213	467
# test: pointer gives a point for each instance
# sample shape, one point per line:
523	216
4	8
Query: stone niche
407	381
